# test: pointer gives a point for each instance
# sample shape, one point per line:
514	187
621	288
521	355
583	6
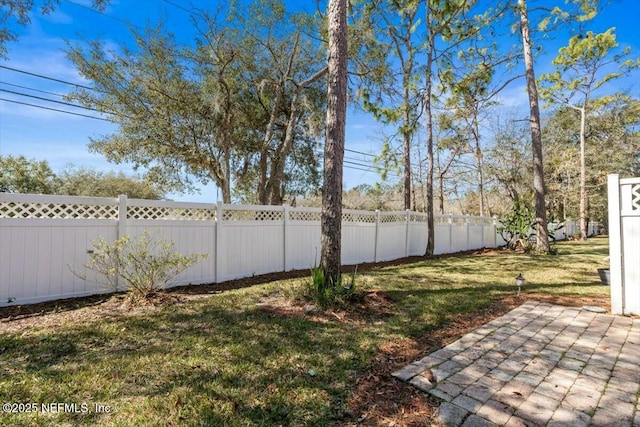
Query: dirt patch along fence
624	244
41	236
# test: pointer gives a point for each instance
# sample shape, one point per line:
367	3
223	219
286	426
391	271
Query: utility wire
370	168
360	152
47	78
179	7
30	88
347	164
49	100
358	169
97	11
54	109
362	163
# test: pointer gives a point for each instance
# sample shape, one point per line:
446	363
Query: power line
46	77
359	164
358	169
49	100
54	109
98	12
30	88
360	152
363	167
179	7
369	167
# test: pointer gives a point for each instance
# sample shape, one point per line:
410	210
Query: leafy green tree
579	66
509	161
20	175
451	145
241	109
171	120
373	197
88	182
285	67
393	25
545	19
613	133
448	25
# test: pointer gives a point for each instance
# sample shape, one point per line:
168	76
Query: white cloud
58	17
514	97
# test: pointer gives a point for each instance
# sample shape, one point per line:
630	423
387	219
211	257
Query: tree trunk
536	134
430	161
479	163
262	181
407	133
407	167
583	174
331	218
441	186
280	159
226	184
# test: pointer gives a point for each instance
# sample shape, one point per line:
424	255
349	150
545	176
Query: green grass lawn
222	360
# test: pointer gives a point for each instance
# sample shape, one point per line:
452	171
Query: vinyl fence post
468	233
285	225
122	225
406	236
375	249
122	215
615	245
218	260
450	233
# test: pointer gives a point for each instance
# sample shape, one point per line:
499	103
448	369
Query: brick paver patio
538	365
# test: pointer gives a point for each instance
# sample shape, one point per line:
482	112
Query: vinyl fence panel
42	237
624	244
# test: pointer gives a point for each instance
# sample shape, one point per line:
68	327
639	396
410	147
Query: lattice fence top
71	207
440	219
359	217
305	215
252	215
394	217
635	197
172	213
10	209
418	217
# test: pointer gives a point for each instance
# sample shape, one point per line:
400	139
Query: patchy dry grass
253	357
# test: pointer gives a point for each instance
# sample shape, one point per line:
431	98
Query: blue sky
62	138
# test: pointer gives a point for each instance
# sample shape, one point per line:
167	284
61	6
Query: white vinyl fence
42	236
624	244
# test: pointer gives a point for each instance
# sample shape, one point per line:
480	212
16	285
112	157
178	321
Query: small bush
517	226
327	295
142	267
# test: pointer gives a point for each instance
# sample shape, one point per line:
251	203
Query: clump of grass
332	295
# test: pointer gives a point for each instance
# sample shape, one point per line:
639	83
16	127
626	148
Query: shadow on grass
214	367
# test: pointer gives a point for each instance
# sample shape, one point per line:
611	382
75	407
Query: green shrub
325	294
142	266
516	228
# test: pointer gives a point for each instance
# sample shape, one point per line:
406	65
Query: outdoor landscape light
520	282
